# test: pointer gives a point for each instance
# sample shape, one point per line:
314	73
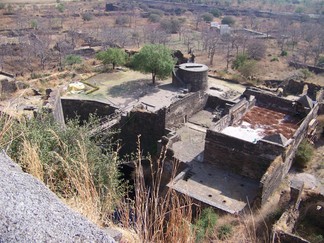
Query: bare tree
294	35
188	38
40	43
136	38
281	34
256	49
154	35
227	47
213	43
310	43
63	48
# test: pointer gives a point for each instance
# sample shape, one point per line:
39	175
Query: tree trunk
114	64
153	78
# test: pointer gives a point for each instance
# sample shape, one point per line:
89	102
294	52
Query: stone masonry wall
180	111
73	108
280	167
296	88
151	127
239	156
270	101
55	104
235	113
194	80
214	101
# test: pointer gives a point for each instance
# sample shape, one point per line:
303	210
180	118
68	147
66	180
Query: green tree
60	7
154	59
216	12
114	56
34	24
249	68
228	20
72	59
207	17
320	62
154	18
239	61
87	16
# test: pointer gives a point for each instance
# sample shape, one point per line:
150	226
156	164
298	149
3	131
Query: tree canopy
154	59
114	56
228	20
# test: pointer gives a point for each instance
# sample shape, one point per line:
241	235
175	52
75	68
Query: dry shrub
5	125
30	160
68	162
159	217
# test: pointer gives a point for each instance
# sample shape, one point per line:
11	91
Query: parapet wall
241	157
296	88
55	104
298	137
81	108
270	100
235	113
180	111
281	165
214	102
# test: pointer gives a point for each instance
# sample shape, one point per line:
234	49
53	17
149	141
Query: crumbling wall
214	101
149	125
222	123
235	113
270	101
311	68
271	179
281	165
55	106
81	108
180	111
296	88
299	135
7	87
238	110
239	156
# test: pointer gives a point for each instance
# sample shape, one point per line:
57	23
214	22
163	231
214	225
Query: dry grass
159	218
30	160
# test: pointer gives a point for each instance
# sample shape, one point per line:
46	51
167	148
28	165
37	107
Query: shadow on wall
133	89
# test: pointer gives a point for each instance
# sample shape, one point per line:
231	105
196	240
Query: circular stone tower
193	75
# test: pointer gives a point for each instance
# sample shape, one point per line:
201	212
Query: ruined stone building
235	147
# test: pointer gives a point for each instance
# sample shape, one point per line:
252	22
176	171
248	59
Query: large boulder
30	212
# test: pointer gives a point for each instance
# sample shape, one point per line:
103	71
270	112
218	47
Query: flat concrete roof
126	93
192	143
216	187
193	67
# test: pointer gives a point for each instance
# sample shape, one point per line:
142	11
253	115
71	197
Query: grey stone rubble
30	212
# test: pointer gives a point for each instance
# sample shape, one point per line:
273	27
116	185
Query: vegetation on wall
304	153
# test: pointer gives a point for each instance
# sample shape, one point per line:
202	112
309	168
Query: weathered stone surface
30	212
7	86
